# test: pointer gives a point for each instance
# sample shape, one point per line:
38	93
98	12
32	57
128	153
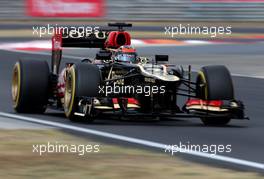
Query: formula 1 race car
118	82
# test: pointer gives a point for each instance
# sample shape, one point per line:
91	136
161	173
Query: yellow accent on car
70	93
16	84
205	83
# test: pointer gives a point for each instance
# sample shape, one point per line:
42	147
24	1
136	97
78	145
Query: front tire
30	83
82	80
214	83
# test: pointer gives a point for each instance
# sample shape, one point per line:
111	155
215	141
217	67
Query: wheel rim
16	81
202	86
69	92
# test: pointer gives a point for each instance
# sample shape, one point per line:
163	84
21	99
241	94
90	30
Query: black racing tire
83	79
215	121
214	83
30	86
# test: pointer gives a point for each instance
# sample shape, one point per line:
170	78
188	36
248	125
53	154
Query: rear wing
77	39
96	39
74	39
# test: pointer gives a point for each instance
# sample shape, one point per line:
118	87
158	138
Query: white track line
251	76
134	140
46	44
42	53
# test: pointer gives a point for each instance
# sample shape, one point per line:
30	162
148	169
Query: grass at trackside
113	162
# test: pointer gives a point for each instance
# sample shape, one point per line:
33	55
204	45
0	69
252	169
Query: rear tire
82	80
30	83
214	83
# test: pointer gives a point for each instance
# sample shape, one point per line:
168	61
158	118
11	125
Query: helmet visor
126	57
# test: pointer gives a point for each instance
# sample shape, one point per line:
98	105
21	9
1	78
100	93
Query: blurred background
137	10
149	17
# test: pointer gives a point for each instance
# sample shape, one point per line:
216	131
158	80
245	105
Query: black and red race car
118	82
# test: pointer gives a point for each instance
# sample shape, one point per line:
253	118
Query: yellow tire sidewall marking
205	83
18	68
70	108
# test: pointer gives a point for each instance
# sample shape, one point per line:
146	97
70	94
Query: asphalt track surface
246	137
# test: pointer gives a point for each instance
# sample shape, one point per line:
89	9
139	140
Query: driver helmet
126	54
